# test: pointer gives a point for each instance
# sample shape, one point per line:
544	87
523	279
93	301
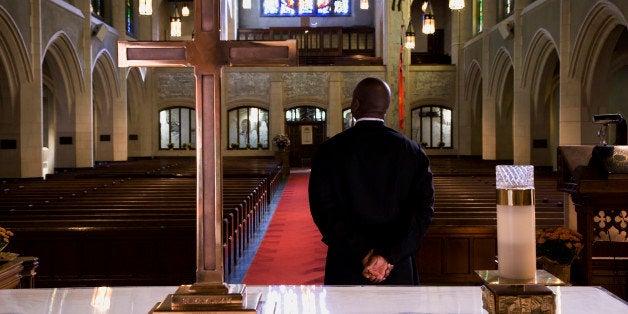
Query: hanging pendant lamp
364	4
175	23
429	24
146	7
410	37
456	5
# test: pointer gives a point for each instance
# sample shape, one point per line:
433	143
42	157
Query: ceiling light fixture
146	7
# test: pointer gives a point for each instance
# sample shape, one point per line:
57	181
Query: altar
301	299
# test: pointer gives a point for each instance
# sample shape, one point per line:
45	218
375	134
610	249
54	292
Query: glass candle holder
516	241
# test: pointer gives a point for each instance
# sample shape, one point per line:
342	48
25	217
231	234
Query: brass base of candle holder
209	298
511	296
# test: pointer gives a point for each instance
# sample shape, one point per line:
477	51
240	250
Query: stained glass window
177	128
130	21
306	113
505	8
97	7
431	126
347	119
306	7
509	6
479	16
248	128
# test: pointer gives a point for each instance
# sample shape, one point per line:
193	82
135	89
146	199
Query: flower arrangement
281	140
561	245
4	237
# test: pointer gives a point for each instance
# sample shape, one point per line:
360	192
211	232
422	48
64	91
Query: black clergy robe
371	188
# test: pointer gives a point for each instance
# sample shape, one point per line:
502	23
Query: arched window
177	128
248	128
306	8
130	18
479	16
505	8
347	119
97	7
431	126
306	113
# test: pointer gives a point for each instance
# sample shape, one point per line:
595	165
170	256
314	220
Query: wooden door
305	137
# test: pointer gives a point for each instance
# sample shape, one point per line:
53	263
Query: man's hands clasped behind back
376	267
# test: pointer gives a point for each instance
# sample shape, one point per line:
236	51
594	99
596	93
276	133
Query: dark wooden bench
82	223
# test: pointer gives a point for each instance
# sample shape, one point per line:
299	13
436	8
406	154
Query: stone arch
108	70
501	65
540	74
63	82
105	97
61	49
473	87
139	115
593	46
501	87
13	56
473	97
15	71
541	46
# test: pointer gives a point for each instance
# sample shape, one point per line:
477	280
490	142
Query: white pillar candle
516	241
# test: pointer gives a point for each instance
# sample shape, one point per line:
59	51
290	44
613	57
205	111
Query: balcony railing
342	45
323	45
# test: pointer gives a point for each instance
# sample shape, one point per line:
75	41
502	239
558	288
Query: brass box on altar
210	299
499	297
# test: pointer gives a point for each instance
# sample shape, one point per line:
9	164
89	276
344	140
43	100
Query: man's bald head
371	98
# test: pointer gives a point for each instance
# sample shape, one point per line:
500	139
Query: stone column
392	42
570	128
120	122
489	136
460	30
277	118
84	129
30	143
83	101
522	137
334	114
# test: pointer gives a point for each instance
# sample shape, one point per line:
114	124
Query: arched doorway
306	127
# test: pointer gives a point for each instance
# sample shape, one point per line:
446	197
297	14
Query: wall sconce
364	4
456	5
410	38
246	4
175	23
429	24
146	7
185	10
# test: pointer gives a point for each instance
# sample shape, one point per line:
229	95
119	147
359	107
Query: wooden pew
81	222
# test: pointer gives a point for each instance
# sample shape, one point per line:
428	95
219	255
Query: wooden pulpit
596	177
207	54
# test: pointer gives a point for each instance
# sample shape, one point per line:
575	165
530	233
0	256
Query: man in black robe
371	195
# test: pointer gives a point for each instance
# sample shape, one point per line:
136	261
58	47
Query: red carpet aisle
291	252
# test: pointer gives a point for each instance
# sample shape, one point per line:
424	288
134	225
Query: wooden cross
207	54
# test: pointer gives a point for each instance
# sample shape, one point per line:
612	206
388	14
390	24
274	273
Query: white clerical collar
369	119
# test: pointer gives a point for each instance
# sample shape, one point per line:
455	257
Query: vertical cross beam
207	54
204	53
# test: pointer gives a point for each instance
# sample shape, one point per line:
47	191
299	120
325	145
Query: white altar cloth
299	299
